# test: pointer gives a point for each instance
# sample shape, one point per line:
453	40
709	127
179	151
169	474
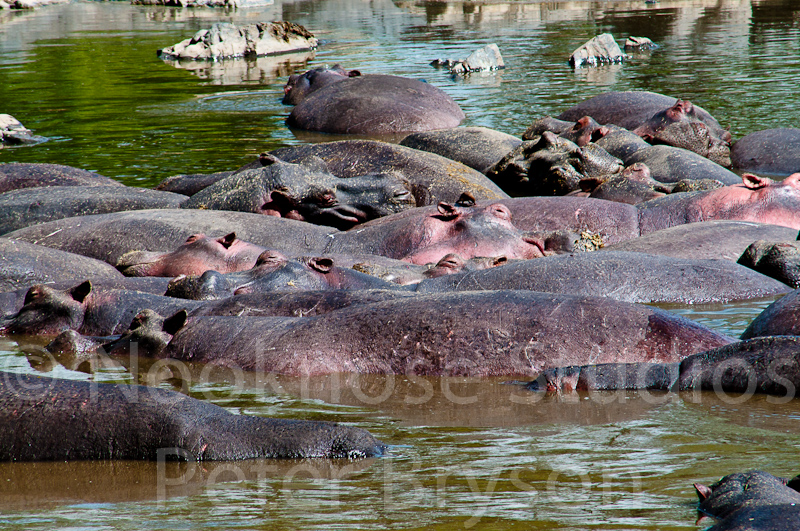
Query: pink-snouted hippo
426	236
199	254
757	199
487	333
376	104
48	419
300	86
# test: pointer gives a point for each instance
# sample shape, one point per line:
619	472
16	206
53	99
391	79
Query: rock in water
599	50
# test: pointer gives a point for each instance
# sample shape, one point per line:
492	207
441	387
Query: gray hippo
757	199
477	147
274	272
375	104
771	152
765	365
781	318
49	311
16	175
727	239
196	256
23	264
47	419
29	206
608	274
670	164
779	260
485	333
753	500
433	178
307	191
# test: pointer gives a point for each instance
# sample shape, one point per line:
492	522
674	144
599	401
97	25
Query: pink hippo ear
270	257
466	199
451	261
227	240
703	492
754	182
81	291
448	212
680	109
497	261
195	237
279	204
323	265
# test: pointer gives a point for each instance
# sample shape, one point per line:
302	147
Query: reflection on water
464	454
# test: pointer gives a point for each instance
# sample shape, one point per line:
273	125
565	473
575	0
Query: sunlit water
464	454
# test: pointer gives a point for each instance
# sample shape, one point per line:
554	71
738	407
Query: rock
225	40
481	60
204	3
12	132
599	50
640	44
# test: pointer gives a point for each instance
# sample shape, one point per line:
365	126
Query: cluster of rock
225	40
603	49
28	4
12	132
483	59
203	3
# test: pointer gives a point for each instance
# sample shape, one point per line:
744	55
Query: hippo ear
267	159
321	264
498	261
270	257
228	240
194	237
278	204
175	322
589	184
703	492
451	261
35	293
353	73
466	199
81	291
754	182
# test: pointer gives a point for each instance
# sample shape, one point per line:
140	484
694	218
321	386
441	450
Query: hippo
476	147
619	142
779	260
107	237
765	365
196	256
433	178
726	239
758	199
485	333
24	264
660	118
47	311
771	152
300	86
633	185
190	184
608	274
46	419
307	192
551	165
375	104
781	318
752	500
670	164
424	236
274	272
29	206
16	175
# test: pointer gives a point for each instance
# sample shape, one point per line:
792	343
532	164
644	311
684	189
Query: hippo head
212	285
46	311
470	232
300	86
682	126
200	253
582	132
148	334
309	273
452	263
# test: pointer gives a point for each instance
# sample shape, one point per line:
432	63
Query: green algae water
464	453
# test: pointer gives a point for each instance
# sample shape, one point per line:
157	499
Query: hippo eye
500	211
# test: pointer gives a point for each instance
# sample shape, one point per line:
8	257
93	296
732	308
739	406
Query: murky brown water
465	454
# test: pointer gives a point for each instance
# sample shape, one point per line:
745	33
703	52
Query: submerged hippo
376	104
16	175
753	500
299	86
46	419
768	365
307	192
757	199
781	318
